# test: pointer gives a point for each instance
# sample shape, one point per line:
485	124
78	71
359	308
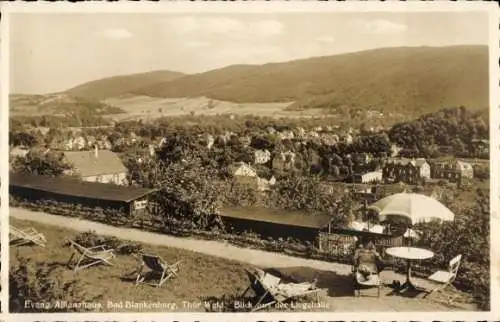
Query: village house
78	143
271	130
210	141
409	171
284	160
312	134
104	144
242	169
395	150
18	151
133	138
264	184
481	146
226	137
361	158
91	141
162	142
207	139
245	140
286	135
452	170
368	177
300	132
348	138
245	174
97	166
262	156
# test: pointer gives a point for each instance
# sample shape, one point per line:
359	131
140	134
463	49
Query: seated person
366	260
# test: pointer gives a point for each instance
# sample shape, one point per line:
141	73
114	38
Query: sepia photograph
234	161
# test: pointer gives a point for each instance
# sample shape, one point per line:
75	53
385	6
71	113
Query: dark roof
404	161
90	163
73	187
281	217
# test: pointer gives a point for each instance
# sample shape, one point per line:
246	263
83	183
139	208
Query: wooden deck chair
90	256
267	288
444	279
370	281
360	282
159	270
19	237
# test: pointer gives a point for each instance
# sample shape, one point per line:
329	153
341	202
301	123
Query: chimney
96	151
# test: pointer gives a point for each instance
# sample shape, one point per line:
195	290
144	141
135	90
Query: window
140	204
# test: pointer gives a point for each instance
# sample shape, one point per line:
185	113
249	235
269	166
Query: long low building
276	223
283	223
73	191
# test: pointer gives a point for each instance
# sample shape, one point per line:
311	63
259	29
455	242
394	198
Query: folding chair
90	256
159	269
270	290
371	282
19	237
373	263
444	279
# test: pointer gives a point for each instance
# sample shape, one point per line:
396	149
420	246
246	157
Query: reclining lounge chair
159	271
90	256
270	289
19	237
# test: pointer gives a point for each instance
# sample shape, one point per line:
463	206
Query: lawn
201	278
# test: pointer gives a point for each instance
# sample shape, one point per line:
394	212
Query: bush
34	283
468	235
91	239
481	172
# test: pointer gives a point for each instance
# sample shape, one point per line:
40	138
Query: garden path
213	248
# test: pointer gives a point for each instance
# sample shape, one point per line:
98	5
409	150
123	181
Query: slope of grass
201	276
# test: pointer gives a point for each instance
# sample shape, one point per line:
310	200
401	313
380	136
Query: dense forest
452	130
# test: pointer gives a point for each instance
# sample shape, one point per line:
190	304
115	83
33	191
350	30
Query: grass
145	107
203	278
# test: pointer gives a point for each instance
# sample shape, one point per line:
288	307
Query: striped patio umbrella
415	207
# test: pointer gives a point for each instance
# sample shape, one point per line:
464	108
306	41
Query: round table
409	253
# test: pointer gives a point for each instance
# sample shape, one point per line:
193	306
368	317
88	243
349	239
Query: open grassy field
202	278
145	107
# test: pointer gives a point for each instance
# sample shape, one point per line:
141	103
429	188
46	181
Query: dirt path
213	248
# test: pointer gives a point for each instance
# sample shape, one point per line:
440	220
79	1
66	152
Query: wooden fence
344	245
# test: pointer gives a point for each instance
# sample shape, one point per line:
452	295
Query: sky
52	52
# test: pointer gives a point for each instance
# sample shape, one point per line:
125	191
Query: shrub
481	172
468	235
91	239
34	283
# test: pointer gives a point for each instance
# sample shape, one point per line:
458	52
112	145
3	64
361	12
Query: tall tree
39	162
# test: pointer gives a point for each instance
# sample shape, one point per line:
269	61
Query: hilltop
401	79
119	85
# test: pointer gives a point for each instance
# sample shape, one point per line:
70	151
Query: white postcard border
255	7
